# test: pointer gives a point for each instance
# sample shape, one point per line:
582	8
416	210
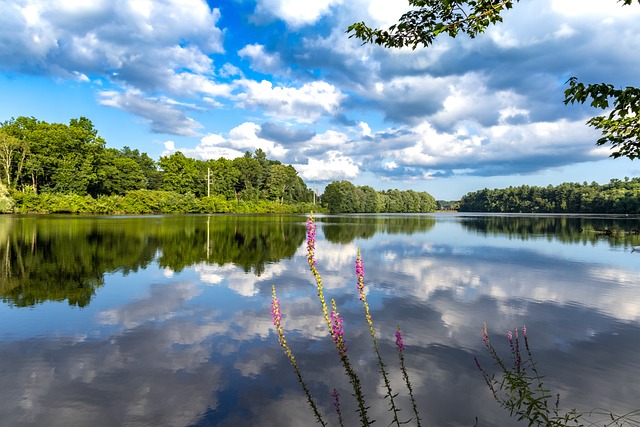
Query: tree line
345	197
57	167
616	197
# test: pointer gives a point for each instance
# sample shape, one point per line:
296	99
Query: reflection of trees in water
248	242
57	259
344	229
65	258
566	229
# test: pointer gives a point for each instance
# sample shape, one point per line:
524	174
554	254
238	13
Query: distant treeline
344	197
616	197
53	167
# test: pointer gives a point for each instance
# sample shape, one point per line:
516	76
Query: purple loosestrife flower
399	342
337	332
405	374
311	240
336	399
311	259
276	318
367	314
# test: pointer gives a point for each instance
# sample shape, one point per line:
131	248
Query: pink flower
276	315
399	342
337	332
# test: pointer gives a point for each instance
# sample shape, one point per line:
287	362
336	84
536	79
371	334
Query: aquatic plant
519	388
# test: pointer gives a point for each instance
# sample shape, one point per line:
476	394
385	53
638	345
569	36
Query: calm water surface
165	320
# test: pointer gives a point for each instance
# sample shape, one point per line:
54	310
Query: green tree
248	185
341	197
59	157
223	177
429	19
119	174
147	165
280	182
369	199
182	174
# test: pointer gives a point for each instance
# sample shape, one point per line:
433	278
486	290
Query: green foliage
429	19
616	197
344	197
72	159
519	388
13	153
621	127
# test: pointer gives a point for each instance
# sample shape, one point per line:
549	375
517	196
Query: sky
217	78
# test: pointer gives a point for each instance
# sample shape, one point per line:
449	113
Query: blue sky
215	79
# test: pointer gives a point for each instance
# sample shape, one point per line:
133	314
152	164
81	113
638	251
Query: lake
165	320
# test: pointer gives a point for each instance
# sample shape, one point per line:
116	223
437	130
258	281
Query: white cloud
366	130
244	137
304	104
295	13
383	13
260	60
332	166
593	8
245	284
502	142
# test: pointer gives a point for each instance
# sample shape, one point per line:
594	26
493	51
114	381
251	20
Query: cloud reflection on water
198	348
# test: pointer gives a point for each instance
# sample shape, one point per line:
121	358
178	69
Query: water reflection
181	335
65	258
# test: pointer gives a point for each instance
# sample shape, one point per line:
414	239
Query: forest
53	167
616	197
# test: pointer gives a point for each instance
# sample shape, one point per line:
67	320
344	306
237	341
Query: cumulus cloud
330	167
260	60
242	138
305	104
59	36
294	12
161	114
138	46
290	81
496	150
